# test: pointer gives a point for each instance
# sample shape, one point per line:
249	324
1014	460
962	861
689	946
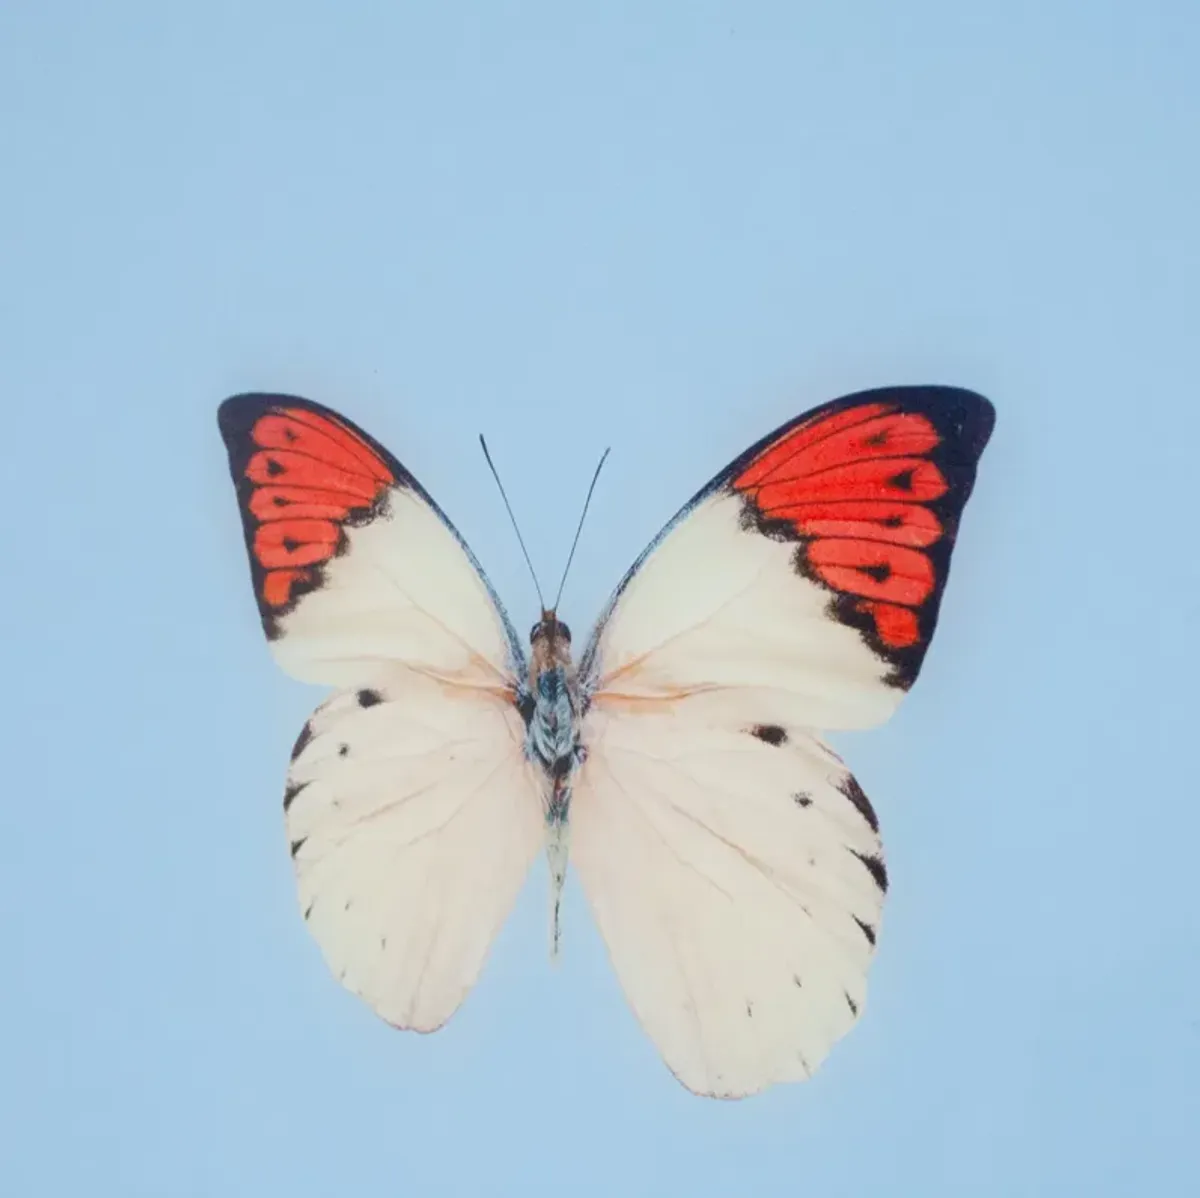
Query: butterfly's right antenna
508	507
579	527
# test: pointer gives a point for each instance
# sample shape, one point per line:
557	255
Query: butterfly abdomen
552	740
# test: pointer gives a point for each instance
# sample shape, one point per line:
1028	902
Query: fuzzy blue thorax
552	736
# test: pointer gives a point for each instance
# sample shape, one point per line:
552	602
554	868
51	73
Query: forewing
351	560
737	877
809	573
412	819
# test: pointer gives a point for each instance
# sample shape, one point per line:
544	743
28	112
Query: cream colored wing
732	862
413	817
412	812
737	877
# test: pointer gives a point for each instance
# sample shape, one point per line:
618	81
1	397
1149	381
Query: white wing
731	861
413	819
412	813
738	884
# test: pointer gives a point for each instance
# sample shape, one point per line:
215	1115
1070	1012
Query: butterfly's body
552	742
731	860
553	737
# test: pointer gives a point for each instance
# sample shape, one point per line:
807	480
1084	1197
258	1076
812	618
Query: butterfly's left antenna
579	527
508	507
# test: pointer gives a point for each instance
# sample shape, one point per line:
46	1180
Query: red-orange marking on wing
320	438
914	480
306	475
277	586
873	569
898	627
801	438
295	542
287	468
288	503
311	473
854	485
899	435
872	520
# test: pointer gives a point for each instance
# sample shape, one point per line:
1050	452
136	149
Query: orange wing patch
309	474
854	486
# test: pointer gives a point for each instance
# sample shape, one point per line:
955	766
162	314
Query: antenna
579	528
508	506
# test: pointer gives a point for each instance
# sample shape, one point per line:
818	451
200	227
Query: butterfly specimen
675	763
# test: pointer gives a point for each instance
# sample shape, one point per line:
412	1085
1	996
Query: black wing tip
236	414
971	416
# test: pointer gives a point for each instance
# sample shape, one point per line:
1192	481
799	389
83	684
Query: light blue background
665	227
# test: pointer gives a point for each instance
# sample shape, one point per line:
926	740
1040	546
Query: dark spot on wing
749	1008
799	983
867	930
308	909
368	698
902	481
851	1004
297	845
343	750
802	798
274	469
880	573
293	789
771	734
876	867
306	734
851	789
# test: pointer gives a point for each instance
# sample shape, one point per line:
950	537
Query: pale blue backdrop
665	227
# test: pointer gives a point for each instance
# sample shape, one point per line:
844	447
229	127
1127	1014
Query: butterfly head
550	628
550	640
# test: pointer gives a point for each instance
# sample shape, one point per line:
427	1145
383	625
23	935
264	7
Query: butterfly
676	765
